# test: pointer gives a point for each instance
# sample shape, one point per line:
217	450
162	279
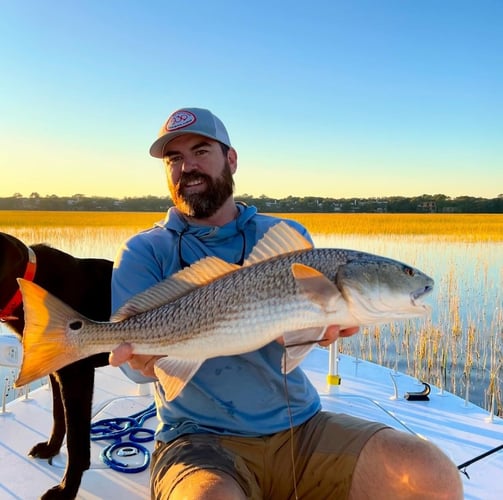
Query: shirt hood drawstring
194	240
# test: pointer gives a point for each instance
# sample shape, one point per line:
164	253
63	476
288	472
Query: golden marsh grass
461	227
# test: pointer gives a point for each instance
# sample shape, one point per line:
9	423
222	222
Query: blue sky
334	98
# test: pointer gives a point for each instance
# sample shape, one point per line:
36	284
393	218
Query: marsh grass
458	227
459	348
83	234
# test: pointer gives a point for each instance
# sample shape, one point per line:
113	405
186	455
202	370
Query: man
232	433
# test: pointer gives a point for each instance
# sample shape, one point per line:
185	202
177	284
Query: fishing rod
463	466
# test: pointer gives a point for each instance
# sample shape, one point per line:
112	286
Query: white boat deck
367	390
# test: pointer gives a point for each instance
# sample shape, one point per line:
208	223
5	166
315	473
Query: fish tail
47	345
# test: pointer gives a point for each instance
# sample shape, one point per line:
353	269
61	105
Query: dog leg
50	448
76	381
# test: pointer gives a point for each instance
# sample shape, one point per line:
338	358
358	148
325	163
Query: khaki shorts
325	449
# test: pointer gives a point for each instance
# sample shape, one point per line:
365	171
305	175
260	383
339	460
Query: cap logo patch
180	119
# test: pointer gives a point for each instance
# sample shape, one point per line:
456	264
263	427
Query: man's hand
144	363
332	333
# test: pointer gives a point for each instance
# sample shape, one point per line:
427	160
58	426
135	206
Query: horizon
237	195
343	99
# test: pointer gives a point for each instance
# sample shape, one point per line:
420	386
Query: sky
336	98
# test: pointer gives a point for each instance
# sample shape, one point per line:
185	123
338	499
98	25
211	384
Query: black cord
290	418
464	465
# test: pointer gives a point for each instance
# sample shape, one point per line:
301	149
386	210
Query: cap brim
158	147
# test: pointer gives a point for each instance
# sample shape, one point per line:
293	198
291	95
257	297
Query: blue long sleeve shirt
235	395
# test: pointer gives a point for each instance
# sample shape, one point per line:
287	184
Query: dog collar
17	298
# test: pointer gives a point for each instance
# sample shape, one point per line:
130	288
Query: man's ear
232	158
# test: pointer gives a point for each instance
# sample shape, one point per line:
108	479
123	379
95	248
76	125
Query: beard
205	204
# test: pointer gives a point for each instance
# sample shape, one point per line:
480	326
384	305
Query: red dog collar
17	298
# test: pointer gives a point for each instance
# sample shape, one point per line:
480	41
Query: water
459	348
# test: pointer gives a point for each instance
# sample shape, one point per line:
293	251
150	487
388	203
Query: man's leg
400	466
197	467
207	485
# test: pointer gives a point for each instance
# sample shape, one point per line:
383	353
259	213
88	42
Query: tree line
425	203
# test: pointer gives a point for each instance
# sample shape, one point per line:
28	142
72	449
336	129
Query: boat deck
367	390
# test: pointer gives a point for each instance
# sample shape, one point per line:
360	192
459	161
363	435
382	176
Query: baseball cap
190	121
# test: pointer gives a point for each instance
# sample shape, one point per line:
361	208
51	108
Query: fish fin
298	344
174	374
198	274
278	240
316	287
47	345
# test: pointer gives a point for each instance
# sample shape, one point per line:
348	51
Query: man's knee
398	465
205	485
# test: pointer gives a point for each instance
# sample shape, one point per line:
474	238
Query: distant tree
290	204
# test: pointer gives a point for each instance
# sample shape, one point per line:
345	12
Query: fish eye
75	325
409	271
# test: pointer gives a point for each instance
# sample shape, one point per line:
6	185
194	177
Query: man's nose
189	164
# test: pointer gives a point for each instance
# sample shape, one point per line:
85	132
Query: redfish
285	289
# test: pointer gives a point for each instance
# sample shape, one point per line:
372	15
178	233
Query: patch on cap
180	119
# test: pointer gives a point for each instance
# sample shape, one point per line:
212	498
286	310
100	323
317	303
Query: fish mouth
417	295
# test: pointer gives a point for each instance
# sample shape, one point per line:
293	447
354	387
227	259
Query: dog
84	284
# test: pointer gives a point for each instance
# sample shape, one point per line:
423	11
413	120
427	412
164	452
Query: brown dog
84	284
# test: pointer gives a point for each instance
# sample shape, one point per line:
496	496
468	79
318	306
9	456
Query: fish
285	288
